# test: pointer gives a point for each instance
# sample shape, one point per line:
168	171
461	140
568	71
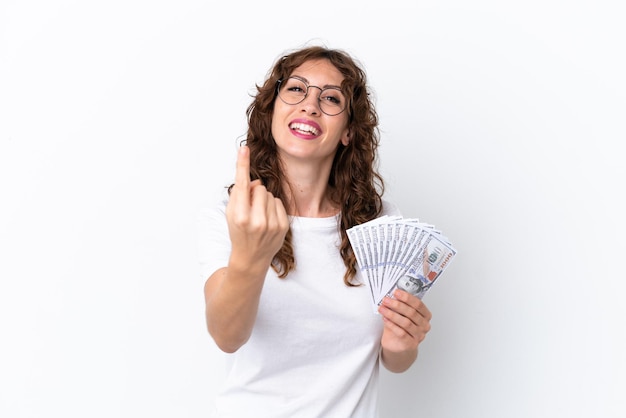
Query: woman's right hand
257	221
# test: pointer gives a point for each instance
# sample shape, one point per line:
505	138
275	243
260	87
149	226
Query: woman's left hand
406	323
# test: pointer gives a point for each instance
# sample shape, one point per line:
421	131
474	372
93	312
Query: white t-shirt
315	344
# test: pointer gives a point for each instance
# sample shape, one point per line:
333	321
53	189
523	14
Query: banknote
393	252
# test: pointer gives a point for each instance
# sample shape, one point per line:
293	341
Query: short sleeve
213	239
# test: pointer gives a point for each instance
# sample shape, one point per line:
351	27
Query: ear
345	138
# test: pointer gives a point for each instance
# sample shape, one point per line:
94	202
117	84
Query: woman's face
303	131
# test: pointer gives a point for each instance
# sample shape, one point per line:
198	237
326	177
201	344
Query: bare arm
257	224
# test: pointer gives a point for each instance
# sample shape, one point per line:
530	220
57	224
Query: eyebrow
326	86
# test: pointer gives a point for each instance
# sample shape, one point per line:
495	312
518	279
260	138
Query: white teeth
302	127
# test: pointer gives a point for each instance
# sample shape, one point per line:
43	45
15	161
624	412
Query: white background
502	124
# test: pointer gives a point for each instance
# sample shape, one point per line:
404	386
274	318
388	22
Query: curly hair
357	187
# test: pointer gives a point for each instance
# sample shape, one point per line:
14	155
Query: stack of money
395	252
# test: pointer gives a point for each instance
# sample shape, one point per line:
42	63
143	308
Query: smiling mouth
304	128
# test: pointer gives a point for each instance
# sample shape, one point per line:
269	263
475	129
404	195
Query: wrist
248	268
398	361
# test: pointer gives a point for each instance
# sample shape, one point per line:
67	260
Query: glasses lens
331	100
292	91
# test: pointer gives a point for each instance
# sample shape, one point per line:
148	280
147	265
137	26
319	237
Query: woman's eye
332	98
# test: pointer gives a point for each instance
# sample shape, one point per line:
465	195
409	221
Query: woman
282	292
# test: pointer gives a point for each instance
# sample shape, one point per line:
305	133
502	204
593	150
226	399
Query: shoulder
390	208
215	212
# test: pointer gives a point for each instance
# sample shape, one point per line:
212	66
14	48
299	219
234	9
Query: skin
258	223
407	321
307	158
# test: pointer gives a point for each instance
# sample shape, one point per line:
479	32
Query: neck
308	192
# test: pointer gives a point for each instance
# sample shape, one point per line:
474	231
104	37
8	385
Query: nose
311	103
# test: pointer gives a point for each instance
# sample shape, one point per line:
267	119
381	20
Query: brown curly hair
356	185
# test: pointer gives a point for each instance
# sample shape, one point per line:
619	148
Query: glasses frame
306	94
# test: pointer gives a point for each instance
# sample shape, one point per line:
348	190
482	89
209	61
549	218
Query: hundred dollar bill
394	252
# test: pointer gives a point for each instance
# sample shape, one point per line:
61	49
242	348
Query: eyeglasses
294	90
